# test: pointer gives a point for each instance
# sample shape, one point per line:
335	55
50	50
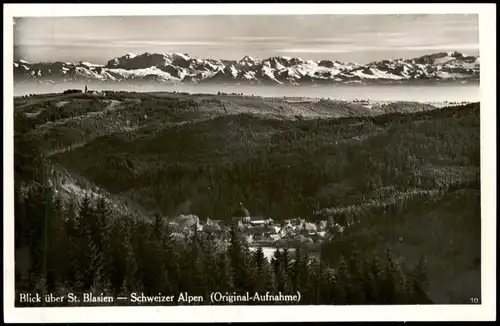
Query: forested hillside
404	182
283	168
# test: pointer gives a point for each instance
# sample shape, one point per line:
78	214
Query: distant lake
451	92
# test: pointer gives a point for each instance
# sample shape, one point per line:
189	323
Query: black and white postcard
271	162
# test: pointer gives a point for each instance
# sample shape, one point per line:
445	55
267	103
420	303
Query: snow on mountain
267	73
180	67
88	64
249	75
374	73
182	56
141	73
233	71
443	60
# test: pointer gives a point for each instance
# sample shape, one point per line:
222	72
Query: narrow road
65	149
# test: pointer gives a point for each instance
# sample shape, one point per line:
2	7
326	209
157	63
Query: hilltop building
87	91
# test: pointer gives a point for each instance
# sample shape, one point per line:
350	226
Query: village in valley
264	231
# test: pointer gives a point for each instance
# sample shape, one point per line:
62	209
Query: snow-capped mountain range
180	68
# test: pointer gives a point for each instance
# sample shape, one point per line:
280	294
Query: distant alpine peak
248	58
285	59
184	56
178	67
456	54
248	61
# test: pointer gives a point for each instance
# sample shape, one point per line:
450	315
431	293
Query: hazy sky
358	38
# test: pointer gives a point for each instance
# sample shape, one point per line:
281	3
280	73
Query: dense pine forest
85	250
404	184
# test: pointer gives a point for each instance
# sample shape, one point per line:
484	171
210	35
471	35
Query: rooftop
257	219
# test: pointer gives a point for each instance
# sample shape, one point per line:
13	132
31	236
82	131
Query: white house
258	221
274	237
321	234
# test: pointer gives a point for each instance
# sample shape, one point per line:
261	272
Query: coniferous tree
368	282
263	276
101	223
86	250
20	218
344	282
198	279
36	202
55	244
286	266
279	270
329	287
406	294
298	271
132	281
225	281
239	258
210	253
374	285
21	240
115	265
149	269
157	225
355	292
71	244
173	257
418	283
389	280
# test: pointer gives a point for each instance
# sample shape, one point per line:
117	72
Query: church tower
241	215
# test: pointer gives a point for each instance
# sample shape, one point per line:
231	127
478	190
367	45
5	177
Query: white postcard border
485	311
